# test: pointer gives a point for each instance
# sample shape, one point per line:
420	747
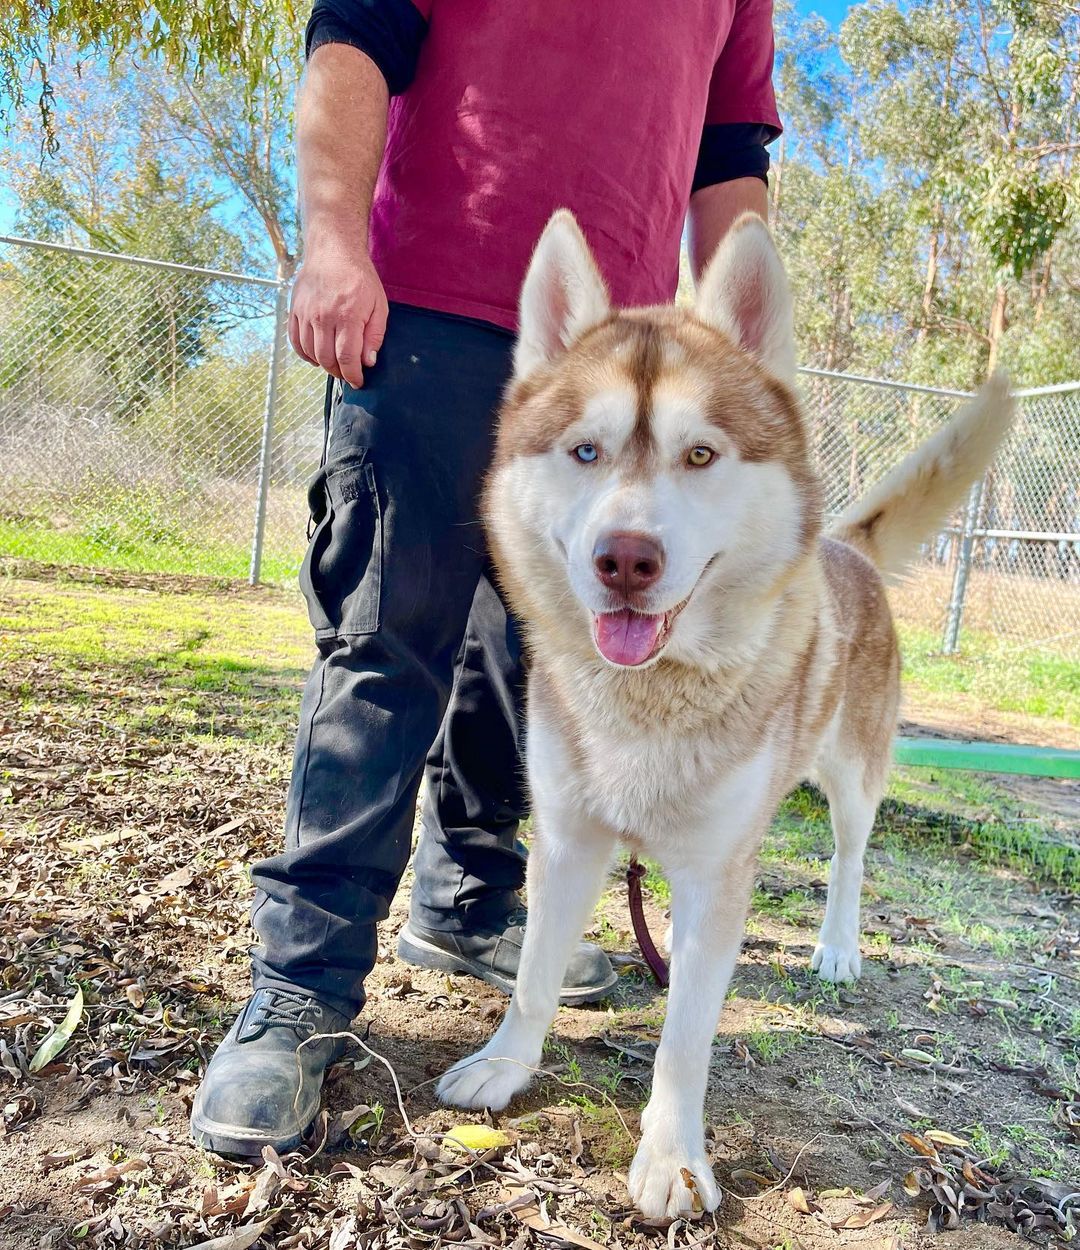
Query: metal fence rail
152	418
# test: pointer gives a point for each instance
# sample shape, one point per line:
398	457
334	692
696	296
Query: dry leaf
741	1053
239	1239
800	1201
96	842
57	1040
911	1185
177	880
861	1219
266	1186
530	1215
940	1138
919	1145
343	1234
227	827
745	1174
688	1180
909	1108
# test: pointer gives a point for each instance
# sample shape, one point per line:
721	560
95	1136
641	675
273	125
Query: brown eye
699	457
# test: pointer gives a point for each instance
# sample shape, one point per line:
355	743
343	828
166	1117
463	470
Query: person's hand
337	319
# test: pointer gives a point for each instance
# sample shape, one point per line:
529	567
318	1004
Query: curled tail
909	505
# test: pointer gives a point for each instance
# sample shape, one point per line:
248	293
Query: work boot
494	956
262	1088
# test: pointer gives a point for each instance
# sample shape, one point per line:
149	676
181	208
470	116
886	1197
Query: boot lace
291	1011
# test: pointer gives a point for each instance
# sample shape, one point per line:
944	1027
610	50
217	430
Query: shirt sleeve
390	32
740	116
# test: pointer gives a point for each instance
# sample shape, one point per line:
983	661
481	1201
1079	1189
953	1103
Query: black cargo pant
417	659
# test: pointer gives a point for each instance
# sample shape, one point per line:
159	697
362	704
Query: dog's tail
908	505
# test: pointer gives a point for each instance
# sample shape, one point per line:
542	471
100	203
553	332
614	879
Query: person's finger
296	340
374	332
307	340
349	349
325	351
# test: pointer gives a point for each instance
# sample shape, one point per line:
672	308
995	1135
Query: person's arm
338	315
712	211
360	52
731	176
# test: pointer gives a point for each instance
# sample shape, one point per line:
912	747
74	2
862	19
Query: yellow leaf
911	1185
941	1138
476	1137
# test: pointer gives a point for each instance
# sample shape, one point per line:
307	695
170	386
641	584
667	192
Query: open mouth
631	638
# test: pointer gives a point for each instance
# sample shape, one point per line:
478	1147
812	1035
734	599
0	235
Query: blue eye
586	453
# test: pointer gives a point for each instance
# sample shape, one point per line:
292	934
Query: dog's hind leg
567	868
853	800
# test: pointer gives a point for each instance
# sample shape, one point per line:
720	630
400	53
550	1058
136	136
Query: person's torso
520	107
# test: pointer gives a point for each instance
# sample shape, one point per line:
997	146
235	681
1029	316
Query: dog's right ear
563	295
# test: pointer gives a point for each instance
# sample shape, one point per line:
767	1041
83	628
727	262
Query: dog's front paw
671	1182
483	1080
836	961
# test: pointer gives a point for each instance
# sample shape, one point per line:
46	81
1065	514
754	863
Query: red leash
657	964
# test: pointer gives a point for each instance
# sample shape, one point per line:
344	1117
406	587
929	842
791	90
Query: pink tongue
627	637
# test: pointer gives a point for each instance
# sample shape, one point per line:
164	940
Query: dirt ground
935	1104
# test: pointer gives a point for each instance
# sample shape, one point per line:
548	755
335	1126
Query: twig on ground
765	1193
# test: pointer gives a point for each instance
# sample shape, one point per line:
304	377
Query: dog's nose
628	562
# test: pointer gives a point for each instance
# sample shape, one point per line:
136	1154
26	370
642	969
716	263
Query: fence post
277	350
963	568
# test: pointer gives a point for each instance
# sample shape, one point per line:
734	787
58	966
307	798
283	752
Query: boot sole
422	954
233	1141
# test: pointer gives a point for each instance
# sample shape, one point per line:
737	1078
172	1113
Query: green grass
163	550
943	808
995	673
967	809
169	661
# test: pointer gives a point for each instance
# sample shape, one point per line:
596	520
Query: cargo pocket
341	576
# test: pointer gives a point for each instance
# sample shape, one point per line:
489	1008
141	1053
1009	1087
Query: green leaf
59	1038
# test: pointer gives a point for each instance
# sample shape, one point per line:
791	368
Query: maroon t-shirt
520	107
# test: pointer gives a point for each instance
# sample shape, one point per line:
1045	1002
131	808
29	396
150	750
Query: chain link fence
1007	567
152	418
134	400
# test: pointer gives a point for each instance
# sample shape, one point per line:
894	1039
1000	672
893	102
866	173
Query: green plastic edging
987	757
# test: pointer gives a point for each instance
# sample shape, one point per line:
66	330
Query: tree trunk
1042	288
999	323
930	283
778	181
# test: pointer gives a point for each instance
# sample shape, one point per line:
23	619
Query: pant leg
469	864
389	577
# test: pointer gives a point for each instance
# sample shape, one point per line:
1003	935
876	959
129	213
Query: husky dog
698	646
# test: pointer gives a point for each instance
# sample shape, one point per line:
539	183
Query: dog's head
651	464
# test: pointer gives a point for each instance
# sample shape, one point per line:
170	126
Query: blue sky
832	10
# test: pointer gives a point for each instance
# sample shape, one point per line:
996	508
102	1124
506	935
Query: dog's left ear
563	295
745	293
